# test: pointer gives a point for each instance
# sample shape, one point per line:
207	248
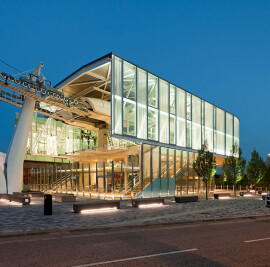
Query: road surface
242	242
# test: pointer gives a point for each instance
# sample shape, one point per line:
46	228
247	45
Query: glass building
140	138
151	110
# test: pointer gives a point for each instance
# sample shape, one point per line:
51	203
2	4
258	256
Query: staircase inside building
138	188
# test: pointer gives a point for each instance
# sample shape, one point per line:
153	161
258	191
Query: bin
47	204
267	200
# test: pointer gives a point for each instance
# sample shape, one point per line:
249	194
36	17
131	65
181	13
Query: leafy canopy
234	166
256	168
205	164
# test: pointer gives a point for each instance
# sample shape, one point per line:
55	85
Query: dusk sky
218	50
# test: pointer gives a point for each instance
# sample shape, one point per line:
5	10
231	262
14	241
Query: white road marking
255	240
136	258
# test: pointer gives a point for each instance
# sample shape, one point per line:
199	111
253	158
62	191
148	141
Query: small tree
234	166
256	168
266	178
205	166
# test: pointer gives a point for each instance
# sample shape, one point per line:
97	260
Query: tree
266	178
234	166
256	168
205	165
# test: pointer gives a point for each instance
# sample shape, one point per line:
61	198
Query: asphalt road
244	242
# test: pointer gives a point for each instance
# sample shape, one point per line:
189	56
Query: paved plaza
16	219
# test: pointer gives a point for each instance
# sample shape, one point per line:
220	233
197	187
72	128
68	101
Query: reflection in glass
188	134
142	111
129	117
172	129
181	118
172	99
153	124
220	131
196	122
129	81
152	91
209	125
236	130
229	133
185	172
164	108
118	97
188	106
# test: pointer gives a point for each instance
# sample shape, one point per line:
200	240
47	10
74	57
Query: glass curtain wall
196	123
209	125
229	133
153	122
181	117
165	172
163	112
142	104
172	115
188	118
236	131
129	99
147	107
50	137
220	131
117	97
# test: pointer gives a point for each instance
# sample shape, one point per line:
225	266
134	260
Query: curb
96	229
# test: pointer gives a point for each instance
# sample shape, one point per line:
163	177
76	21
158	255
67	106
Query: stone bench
262	192
252	191
222	195
35	194
146	201
64	197
14	198
186	199
95	205
242	194
19	194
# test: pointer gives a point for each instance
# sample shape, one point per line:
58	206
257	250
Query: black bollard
47	204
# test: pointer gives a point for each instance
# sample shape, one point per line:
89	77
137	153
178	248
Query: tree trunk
206	193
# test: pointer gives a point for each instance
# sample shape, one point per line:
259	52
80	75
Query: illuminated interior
137	135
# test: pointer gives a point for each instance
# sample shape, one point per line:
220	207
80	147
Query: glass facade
52	138
161	172
162	125
149	108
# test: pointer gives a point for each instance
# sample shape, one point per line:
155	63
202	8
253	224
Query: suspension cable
10	66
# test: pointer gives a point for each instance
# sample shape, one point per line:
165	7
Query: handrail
163	171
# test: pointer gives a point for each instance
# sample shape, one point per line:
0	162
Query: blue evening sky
218	50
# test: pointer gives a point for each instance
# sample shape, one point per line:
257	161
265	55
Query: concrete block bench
146	201
64	197
19	194
262	192
222	195
186	199
18	199
242	194
35	194
252	191
95	205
